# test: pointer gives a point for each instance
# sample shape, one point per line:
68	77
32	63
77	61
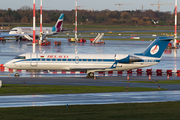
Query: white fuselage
86	62
29	30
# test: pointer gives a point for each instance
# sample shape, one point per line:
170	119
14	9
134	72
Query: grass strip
109	36
133	111
17	89
118	27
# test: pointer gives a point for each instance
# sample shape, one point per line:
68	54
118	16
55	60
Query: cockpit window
14	30
20	57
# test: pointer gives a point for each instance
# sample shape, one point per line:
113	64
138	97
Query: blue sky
91	4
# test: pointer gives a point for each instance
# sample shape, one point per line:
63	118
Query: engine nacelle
134	59
129	59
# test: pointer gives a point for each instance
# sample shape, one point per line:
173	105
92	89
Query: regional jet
91	63
27	32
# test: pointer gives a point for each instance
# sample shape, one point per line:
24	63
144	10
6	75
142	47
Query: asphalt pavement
99	81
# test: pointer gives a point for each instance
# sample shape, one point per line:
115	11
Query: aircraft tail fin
156	48
58	26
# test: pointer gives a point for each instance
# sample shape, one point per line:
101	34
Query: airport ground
118	32
168	110
135	111
61	85
155	82
108	35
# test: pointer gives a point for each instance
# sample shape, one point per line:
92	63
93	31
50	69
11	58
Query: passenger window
99	60
53	59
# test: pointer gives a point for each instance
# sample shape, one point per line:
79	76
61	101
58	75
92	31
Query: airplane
27	32
91	63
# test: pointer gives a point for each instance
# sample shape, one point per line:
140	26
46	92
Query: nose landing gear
17	74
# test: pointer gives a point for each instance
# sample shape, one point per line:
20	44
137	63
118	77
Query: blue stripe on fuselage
85	60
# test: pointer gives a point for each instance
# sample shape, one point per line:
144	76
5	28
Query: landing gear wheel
20	38
90	74
3	41
16	75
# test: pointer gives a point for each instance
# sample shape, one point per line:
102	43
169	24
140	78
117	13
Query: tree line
104	17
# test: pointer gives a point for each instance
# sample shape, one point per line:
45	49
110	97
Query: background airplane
27	32
91	63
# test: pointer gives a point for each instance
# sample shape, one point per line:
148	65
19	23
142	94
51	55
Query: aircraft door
34	59
77	60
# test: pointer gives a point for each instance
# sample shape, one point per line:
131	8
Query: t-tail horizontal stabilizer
156	48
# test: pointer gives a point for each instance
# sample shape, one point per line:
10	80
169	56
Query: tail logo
154	49
58	27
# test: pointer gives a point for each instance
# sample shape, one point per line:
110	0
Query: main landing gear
3	40
18	39
91	74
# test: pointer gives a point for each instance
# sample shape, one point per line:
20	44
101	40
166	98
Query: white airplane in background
91	63
27	32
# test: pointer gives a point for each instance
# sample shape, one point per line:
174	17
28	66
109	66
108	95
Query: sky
92	4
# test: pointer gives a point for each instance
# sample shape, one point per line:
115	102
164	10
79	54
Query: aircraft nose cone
10	32
8	65
5	65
